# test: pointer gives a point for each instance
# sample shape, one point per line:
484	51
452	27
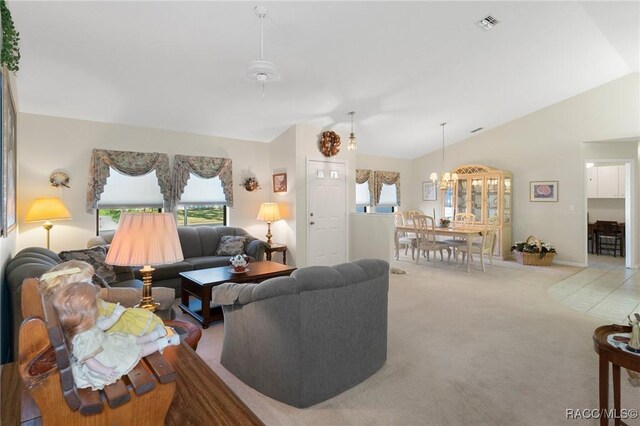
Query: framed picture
429	192
9	158
543	190
280	182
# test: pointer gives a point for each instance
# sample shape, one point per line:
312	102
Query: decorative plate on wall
329	143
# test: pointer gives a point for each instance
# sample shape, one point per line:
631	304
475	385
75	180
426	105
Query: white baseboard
564	262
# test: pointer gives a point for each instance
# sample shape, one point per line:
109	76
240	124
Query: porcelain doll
113	317
98	358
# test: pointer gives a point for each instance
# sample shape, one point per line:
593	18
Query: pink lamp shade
145	239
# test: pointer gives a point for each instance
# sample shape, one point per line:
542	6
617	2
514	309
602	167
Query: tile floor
606	289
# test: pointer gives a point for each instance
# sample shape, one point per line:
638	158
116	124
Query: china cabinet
485	192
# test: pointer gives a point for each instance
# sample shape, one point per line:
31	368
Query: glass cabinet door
461	202
448	203
476	198
492	197
506	200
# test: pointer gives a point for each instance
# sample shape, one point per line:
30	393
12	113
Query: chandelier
351	145
261	70
448	179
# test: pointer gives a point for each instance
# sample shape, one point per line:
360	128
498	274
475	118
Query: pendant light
352	145
448	179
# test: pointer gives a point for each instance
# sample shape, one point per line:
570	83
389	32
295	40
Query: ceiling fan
261	70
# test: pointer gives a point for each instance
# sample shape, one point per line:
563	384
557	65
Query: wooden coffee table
198	284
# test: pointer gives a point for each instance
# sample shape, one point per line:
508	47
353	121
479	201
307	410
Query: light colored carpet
488	348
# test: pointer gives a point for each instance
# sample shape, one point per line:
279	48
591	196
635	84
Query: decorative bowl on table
444	223
239	264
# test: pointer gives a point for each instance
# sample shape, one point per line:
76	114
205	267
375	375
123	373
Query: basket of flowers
533	252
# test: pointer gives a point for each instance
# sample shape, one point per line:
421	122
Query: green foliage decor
10	55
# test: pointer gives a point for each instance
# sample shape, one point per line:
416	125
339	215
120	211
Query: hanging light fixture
352	145
261	70
448	179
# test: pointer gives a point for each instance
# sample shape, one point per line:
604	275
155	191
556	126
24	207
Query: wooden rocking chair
46	373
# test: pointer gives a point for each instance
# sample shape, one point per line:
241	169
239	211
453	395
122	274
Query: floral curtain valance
387	178
205	167
128	163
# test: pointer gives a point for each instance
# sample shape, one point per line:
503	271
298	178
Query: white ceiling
403	67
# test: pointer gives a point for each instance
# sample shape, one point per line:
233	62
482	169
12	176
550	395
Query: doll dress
135	321
119	351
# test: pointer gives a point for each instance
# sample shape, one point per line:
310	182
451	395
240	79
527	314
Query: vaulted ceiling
403	67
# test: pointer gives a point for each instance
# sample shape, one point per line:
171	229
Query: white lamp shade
45	209
434	176
145	239
269	212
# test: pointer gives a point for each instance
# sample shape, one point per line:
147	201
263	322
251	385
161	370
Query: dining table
466	232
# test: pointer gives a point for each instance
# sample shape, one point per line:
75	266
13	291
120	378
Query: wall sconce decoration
329	143
58	179
251	184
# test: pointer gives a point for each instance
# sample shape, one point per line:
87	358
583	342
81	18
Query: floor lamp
47	209
145	239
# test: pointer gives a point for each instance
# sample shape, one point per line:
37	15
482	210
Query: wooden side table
618	358
275	248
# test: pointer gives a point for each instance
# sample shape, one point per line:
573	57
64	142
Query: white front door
327	213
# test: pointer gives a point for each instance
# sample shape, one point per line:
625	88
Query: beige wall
50	143
546	145
606	209
282	156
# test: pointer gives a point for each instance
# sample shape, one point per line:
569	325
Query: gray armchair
308	337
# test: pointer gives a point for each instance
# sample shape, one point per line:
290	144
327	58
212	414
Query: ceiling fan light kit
262	71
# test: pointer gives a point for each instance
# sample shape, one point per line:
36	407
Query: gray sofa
35	261
199	245
308	337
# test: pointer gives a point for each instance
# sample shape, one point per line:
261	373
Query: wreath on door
329	143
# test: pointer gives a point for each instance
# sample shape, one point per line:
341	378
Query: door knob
312	223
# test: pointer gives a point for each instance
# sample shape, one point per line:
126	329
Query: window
123	193
202	202
388	202
362	197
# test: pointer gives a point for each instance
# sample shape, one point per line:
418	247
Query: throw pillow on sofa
95	257
231	245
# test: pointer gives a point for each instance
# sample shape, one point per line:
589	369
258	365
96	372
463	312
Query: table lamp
47	209
269	212
145	239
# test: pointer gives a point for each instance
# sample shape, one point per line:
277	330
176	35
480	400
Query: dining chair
485	247
608	237
408	215
403	239
426	238
460	219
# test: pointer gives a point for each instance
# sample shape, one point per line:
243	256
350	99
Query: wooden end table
276	248
618	358
198	284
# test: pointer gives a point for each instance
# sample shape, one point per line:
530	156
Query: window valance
128	163
205	167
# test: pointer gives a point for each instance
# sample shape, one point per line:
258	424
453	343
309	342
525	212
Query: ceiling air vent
476	130
487	22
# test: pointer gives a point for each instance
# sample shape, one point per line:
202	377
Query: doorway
327	221
610	196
